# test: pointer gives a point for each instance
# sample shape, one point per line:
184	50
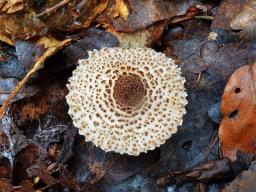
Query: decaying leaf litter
42	150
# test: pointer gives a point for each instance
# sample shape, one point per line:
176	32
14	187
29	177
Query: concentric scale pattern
127	100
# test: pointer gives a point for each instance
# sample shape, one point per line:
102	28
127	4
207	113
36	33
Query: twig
50	51
206	17
54	8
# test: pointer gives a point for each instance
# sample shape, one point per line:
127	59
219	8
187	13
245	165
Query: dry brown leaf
37	19
11	6
237	129
101	6
22	26
51	46
6	39
121	9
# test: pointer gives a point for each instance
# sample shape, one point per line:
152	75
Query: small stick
54	8
50	51
81	5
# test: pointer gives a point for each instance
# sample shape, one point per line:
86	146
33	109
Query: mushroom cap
127	100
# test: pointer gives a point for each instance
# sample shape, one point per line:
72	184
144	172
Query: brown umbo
129	90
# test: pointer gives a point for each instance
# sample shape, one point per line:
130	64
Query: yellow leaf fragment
36	180
121	9
101	6
6	39
52	46
11	6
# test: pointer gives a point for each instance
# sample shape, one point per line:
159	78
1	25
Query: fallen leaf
29	156
90	164
245	21
126	166
12	140
227	10
40	169
243	183
212	171
66	151
237	129
156	34
99	8
190	14
79	14
121	9
91	39
28	52
67	180
132	40
5	38
144	14
8	84
50	98
22	26
10	67
6	186
11	6
51	46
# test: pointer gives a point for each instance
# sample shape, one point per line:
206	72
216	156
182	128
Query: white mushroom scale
127	100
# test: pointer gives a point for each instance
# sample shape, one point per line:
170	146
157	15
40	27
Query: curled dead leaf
237	129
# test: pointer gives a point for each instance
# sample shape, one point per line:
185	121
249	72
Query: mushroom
127	100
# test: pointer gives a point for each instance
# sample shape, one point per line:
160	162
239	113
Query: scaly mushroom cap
127	100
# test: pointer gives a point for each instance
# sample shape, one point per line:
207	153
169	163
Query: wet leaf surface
92	39
9	84
144	14
226	12
11	67
245	182
237	131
